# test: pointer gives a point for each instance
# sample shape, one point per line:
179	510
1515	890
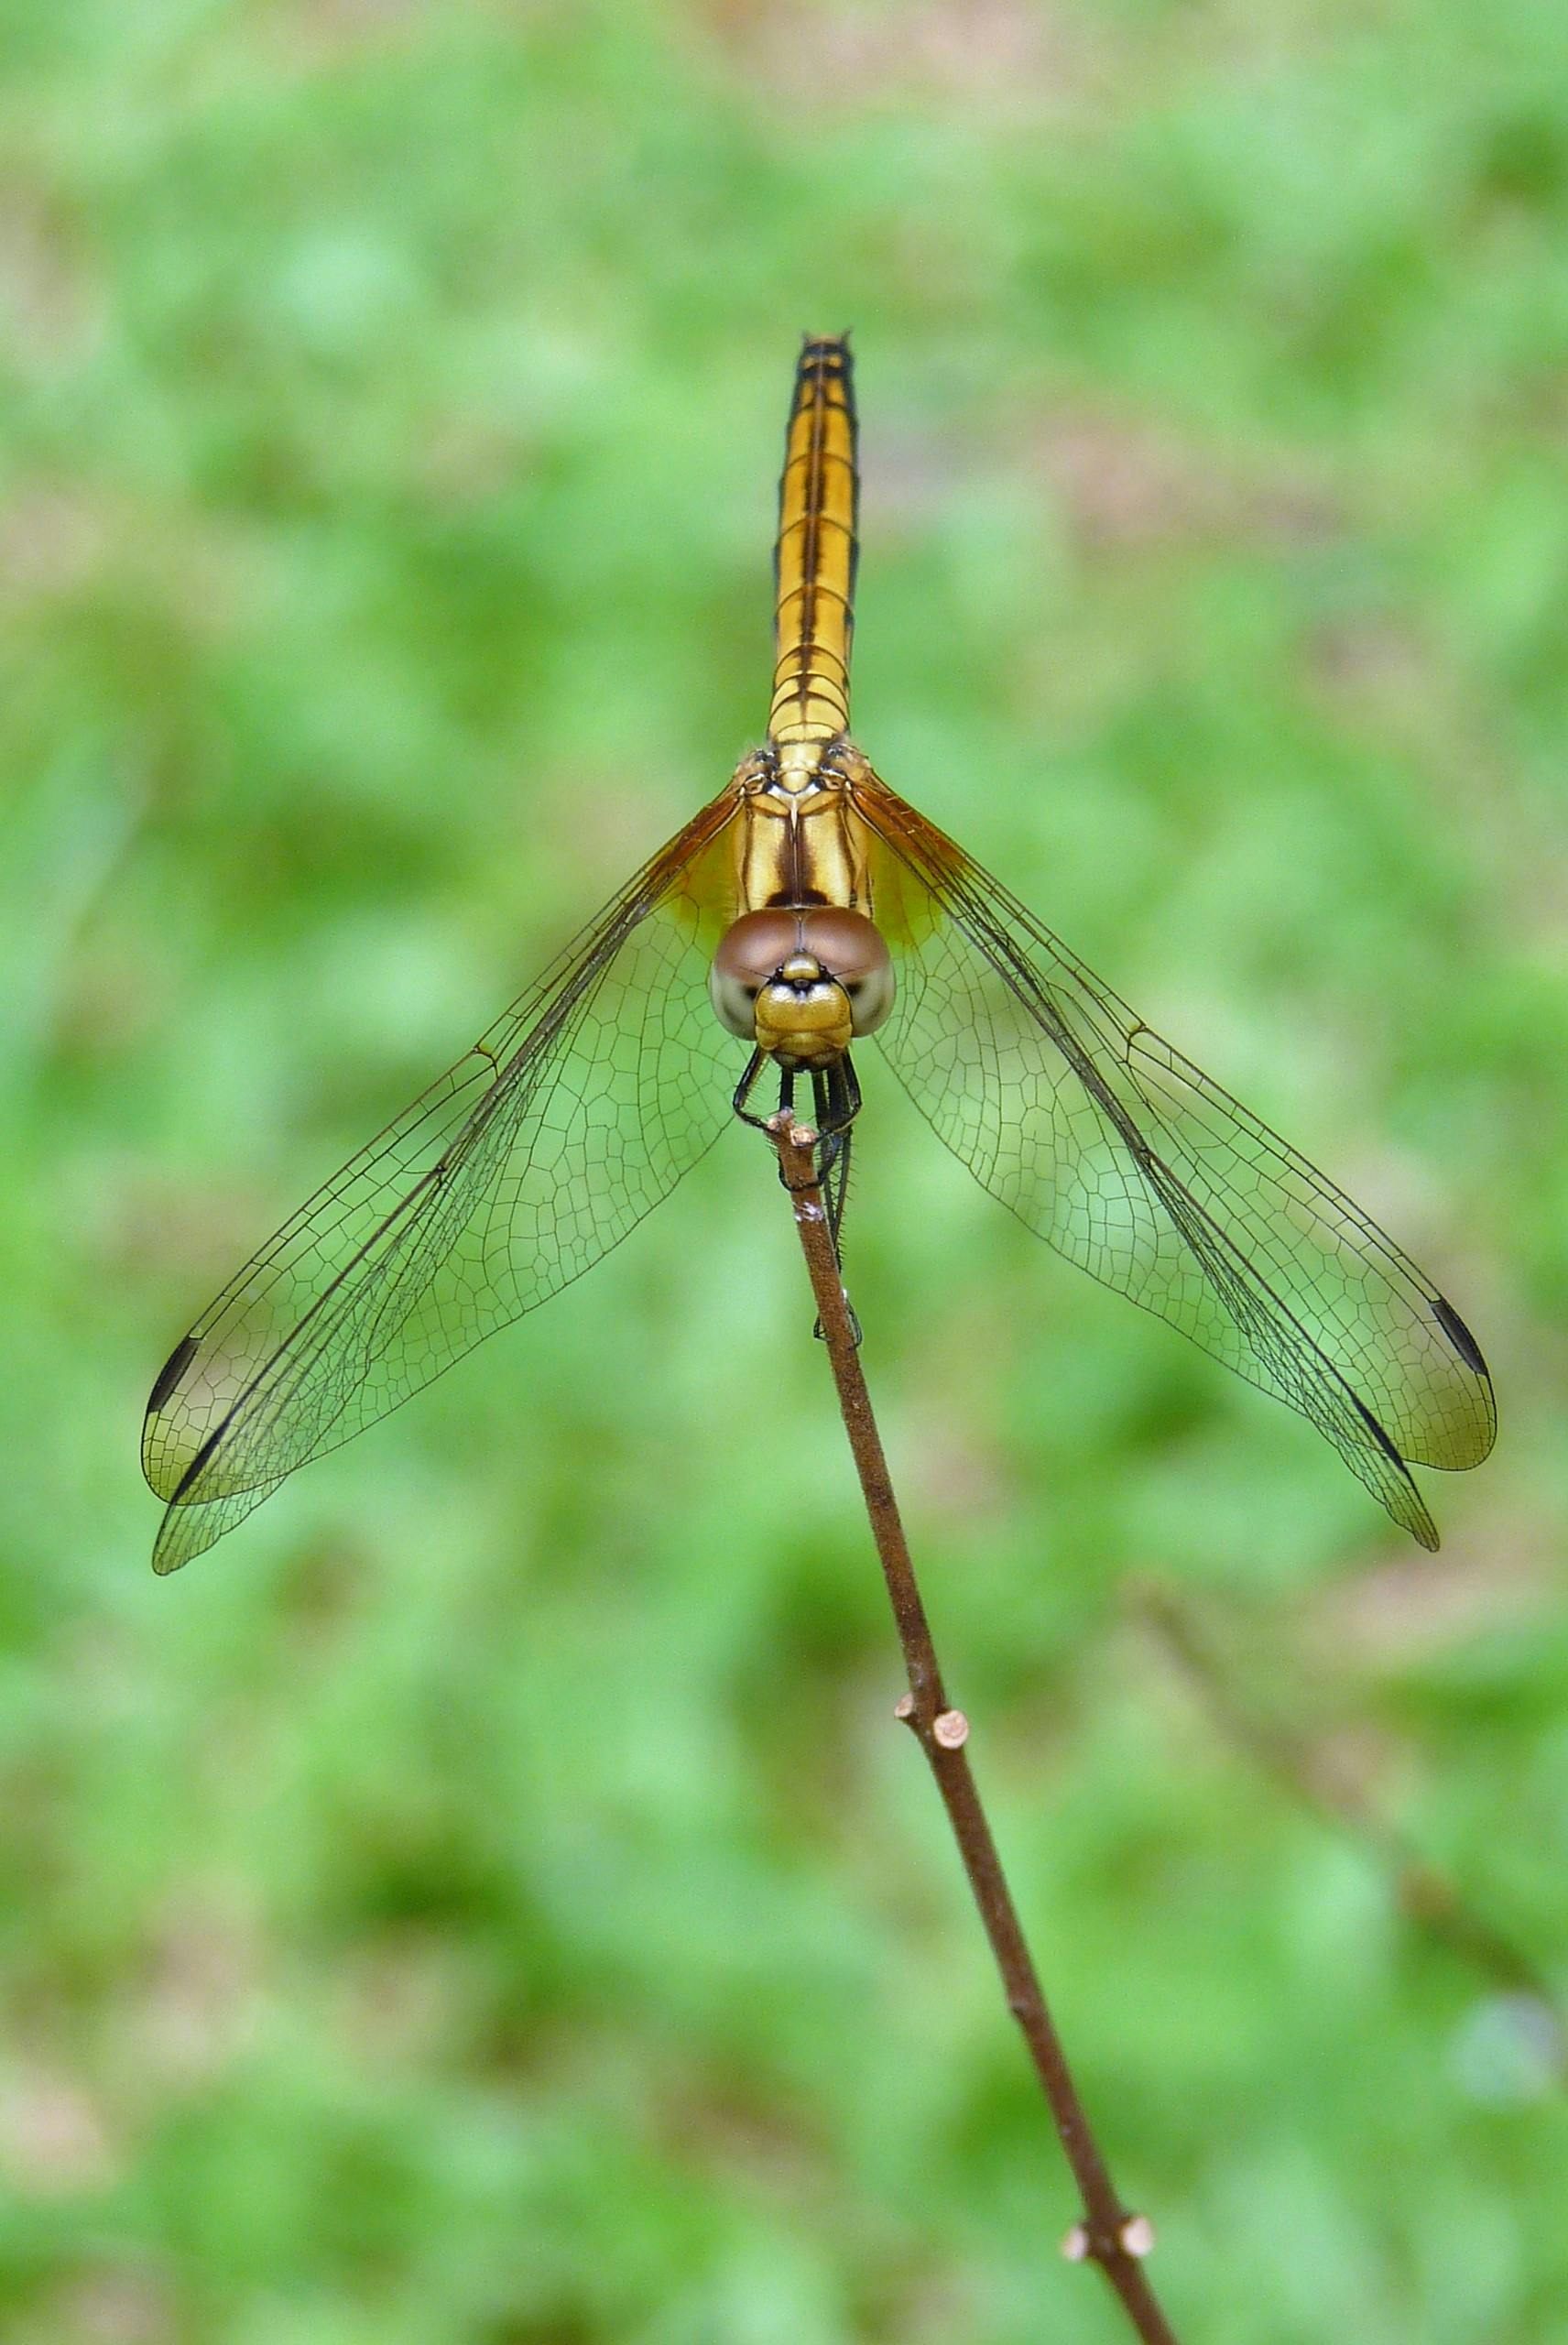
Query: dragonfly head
802	985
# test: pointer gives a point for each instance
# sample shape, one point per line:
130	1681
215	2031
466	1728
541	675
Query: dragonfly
804	909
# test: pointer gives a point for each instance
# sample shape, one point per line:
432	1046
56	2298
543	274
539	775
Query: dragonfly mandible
804	907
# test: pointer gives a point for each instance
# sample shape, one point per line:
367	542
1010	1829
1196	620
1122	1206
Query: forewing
512	1174
1111	1145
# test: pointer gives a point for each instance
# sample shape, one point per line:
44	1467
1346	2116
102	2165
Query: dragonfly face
808	906
802	982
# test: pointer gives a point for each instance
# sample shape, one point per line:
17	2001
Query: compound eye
852	951
751	952
735	1002
870	998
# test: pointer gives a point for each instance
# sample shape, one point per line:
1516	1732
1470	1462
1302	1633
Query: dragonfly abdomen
814	557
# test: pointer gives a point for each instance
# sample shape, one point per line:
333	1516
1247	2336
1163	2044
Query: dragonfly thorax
802	985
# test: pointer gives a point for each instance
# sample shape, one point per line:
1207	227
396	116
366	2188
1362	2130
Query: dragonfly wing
511	1175
1109	1143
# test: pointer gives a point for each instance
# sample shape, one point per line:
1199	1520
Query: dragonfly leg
745	1088
835	1103
747	1085
835	1096
832	1146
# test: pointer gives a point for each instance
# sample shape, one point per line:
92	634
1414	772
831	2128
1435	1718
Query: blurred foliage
486	1901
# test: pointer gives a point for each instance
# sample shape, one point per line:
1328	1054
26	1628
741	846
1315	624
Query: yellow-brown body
796	840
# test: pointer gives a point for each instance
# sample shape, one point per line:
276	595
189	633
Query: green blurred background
487	1900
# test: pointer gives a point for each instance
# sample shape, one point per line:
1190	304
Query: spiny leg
835	1094
754	1066
748	1083
833	1149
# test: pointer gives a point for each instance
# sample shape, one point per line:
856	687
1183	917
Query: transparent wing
512	1174
1108	1143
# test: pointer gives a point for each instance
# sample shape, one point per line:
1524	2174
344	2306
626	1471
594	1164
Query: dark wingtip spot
1458	1334
169	1374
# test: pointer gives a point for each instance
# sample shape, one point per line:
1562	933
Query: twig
1107	2233
1431	1897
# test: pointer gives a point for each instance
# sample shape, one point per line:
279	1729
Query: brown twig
1429	1896
1107	2233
